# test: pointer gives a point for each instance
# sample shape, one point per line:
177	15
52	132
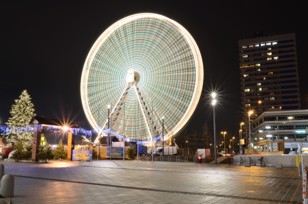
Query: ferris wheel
146	73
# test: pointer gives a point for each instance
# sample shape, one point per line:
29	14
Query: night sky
44	45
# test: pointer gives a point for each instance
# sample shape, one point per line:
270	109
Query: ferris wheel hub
132	77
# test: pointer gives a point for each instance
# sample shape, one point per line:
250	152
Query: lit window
260	89
245	56
247	105
272	98
269	53
260	131
259	70
257	45
290	117
267	127
247	66
245	75
276	58
247	90
268	43
269	136
300	131
269	58
244	46
264	78
270	73
250	46
269	48
259	84
273	107
274	43
258	64
259	102
262	44
261	138
280	107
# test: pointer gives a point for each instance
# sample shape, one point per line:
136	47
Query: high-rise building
269	74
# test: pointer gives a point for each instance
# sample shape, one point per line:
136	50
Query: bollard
304	187
304	181
7	186
1	171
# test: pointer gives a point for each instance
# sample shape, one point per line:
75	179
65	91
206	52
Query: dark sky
44	45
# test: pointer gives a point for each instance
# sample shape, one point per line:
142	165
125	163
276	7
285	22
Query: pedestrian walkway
118	181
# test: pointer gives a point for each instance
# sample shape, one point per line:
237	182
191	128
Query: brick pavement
148	182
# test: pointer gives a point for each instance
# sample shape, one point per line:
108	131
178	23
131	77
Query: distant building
285	131
269	75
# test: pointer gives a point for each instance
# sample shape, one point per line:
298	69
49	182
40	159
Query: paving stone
119	181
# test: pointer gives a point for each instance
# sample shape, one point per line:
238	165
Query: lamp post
224	134
162	133
109	137
213	103
233	138
250	112
187	147
241	135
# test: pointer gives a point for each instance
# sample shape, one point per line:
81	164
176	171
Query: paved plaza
118	181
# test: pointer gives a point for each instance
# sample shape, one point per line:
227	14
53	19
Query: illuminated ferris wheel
146	71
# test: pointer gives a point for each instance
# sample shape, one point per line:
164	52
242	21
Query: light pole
233	138
187	147
213	103
250	112
241	135
162	133
109	137
224	134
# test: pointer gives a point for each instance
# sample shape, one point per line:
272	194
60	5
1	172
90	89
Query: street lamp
108	107
250	112
213	103
241	135
163	120
187	147
233	138
224	134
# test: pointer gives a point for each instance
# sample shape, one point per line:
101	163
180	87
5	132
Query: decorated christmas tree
22	112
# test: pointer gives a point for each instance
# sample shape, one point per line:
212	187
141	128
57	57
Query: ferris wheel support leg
111	112
143	114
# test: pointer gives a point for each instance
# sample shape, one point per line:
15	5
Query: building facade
269	75
285	131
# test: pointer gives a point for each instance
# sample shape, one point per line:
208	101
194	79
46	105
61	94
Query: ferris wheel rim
104	36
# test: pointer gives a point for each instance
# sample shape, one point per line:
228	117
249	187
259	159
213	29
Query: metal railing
169	158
